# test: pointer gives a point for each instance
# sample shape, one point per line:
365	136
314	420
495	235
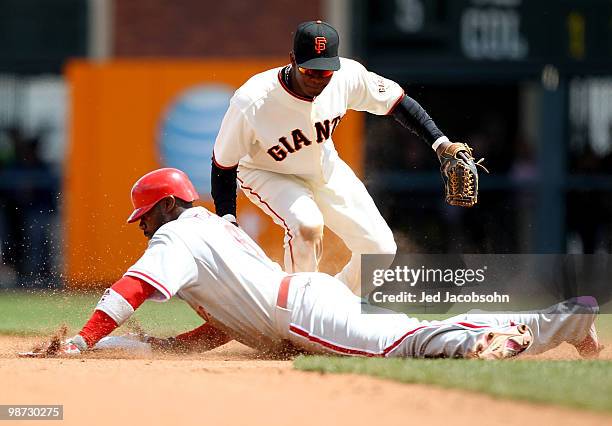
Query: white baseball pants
324	317
302	207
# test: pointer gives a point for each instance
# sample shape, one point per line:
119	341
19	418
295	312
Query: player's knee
312	233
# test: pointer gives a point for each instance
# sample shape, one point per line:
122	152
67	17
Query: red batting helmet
159	184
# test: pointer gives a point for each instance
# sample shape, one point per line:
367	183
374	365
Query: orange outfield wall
115	113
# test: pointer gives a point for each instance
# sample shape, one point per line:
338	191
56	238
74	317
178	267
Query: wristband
439	142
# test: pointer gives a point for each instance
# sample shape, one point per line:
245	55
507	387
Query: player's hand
159	343
56	348
68	347
168	344
459	173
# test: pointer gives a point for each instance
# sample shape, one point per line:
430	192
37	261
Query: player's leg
350	212
327	318
289	202
570	321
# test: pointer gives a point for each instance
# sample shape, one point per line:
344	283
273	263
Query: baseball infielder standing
227	279
276	140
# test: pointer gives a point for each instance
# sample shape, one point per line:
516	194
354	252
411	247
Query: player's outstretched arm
117	304
410	114
457	165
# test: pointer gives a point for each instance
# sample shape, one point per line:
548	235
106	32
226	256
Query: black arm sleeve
412	116
223	189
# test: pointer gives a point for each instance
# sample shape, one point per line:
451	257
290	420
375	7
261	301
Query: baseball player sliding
227	279
276	141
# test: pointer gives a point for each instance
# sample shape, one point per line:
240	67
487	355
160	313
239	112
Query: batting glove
56	347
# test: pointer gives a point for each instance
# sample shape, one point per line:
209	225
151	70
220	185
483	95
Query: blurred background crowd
528	84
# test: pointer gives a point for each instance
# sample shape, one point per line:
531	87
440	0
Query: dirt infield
230	386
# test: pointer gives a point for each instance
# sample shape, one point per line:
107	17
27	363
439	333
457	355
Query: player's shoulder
182	226
167	234
348	66
350	72
257	87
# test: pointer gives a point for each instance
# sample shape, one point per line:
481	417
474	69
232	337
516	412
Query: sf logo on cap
320	43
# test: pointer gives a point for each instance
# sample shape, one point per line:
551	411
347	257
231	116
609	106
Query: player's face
151	221
154	218
309	82
312	82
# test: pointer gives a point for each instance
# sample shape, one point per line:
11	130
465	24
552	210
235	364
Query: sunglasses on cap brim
316	73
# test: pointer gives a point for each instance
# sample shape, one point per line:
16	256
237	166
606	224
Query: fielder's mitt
460	174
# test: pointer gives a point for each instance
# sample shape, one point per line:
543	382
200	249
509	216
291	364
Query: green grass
40	313
578	384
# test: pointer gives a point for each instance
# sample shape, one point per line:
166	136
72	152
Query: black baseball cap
315	46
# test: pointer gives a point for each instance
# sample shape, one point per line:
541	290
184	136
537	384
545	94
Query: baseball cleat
590	346
503	342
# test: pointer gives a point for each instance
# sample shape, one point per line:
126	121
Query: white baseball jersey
224	276
268	127
218	270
